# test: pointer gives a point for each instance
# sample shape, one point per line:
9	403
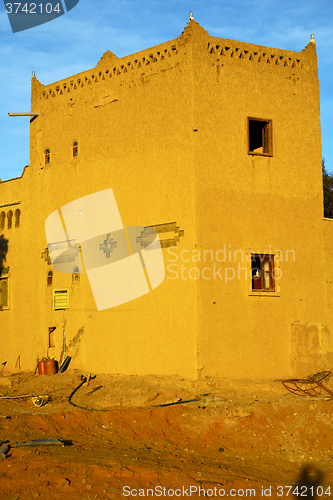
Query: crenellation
123	67
278	57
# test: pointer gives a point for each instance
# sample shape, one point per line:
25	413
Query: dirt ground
239	439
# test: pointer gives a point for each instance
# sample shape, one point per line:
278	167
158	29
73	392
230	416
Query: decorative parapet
236	50
110	66
120	68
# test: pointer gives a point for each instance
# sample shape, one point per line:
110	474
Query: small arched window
75	149
47	157
4	293
17	217
49	278
10	219
76	275
2	220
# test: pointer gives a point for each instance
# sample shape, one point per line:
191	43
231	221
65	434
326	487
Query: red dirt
240	436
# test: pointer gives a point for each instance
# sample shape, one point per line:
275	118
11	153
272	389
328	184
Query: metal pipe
23	114
39	442
4	449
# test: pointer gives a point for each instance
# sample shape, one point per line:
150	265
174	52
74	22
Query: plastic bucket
51	366
41	367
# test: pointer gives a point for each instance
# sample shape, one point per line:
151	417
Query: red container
51	366
41	367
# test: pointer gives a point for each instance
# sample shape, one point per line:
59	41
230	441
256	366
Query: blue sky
76	41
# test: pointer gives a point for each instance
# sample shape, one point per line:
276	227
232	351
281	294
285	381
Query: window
49	278
263	272
61	299
51	339
75	149
260	137
10	219
47	157
17	217
3	292
2	220
76	275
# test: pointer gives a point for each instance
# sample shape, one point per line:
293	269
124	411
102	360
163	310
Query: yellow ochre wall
166	129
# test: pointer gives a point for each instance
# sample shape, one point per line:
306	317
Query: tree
328	192
3	250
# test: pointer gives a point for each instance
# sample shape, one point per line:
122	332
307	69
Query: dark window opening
17	217
10	219
76	275
49	278
75	149
2	220
260	136
47	157
262	269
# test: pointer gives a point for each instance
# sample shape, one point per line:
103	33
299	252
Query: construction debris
310	386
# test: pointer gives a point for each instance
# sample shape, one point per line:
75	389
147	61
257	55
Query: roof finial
191	16
312	39
33	74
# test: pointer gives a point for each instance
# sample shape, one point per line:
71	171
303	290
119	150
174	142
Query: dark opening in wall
260	136
17	217
75	149
49	278
262	272
10	219
47	157
76	275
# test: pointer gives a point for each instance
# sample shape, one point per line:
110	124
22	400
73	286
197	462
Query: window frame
49	278
47	156
266	130
75	149
4	279
60	298
273	258
76	275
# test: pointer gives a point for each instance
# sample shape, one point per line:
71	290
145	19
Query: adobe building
216	145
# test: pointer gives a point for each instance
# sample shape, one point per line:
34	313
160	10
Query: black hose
176	403
84	380
65	364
